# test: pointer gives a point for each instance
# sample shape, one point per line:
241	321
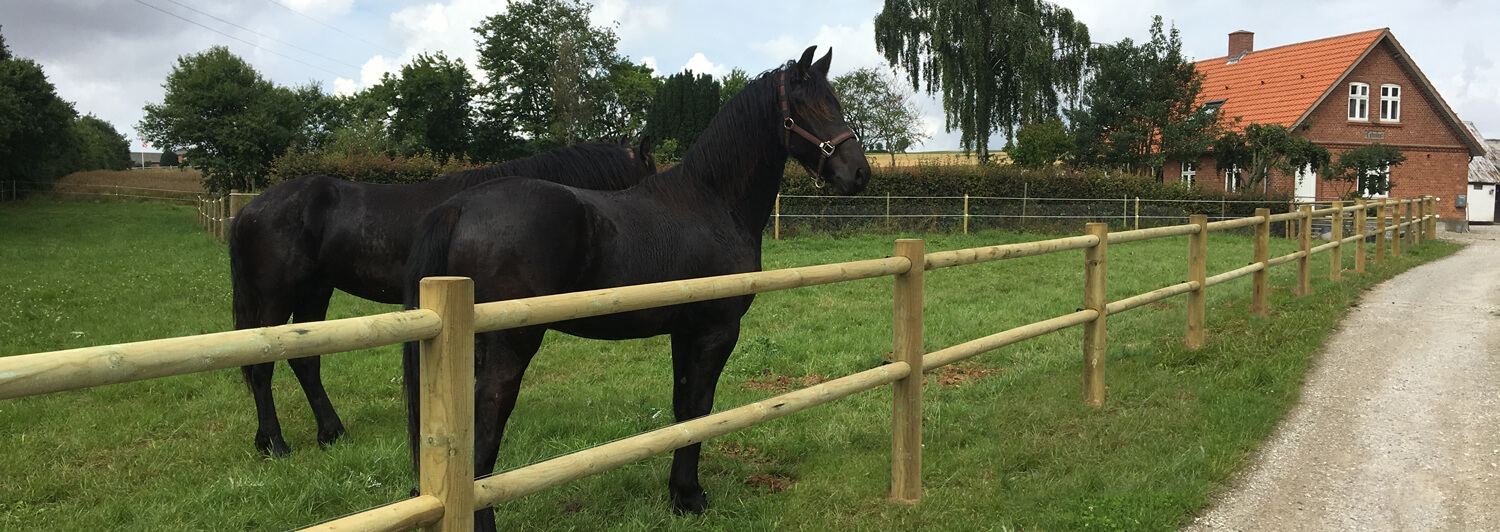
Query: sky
111	57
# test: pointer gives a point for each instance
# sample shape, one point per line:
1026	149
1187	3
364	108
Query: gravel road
1399	423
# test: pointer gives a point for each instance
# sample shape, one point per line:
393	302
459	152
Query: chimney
1240	42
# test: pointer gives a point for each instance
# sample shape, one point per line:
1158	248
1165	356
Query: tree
517	51
37	135
432	103
168	158
878	110
227	119
1366	170
569	79
1041	144
1139	106
998	63
100	147
732	83
1262	148
626	102
683	106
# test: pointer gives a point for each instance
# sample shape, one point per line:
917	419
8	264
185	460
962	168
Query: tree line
42	136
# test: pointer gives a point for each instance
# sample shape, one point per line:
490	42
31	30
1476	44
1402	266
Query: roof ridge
1252	52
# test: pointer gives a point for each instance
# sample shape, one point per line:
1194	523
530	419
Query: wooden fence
216	213
447	320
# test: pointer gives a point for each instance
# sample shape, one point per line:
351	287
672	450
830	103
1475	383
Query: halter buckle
788	123
827	148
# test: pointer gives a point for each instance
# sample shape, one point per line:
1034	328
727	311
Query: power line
290	45
196	23
361	39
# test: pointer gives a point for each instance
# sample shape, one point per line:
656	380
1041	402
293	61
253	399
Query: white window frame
1189	172
1390	102
1365	191
1359	101
1233	179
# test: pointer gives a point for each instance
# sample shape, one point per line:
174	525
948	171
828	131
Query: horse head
814	130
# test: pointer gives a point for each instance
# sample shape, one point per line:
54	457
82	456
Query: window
1376	179
1213	106
1390	103
1233	179
1359	101
1189	172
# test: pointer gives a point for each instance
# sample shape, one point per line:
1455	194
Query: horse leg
258	377
314	307
500	362
698	358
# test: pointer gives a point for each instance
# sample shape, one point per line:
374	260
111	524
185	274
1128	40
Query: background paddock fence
447	320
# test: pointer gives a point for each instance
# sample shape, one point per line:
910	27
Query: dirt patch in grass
770	483
962	372
736	451
782	383
1162	306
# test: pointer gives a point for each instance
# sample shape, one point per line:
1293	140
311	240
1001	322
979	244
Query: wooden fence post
966	214
1396	236
1137	212
1094	268
777	232
1259	287
1304	242
1432	222
1380	213
1361	225
1419	219
1336	255
1198	273
446	438
906	424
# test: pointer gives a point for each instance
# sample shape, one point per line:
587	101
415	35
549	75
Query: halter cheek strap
826	148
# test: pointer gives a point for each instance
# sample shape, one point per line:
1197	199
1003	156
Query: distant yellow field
185	180
937	158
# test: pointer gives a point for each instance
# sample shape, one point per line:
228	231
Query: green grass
1015	449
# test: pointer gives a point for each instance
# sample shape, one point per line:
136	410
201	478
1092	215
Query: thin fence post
1125	213
1362	228
776	234
1418	219
1137	212
1259	287
906	411
1381	212
1025	195
1094	298
1290	206
1433	217
1336	234
1304	242
1396	236
966	214
1198	273
446	437
887	211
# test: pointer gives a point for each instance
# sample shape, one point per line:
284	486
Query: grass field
937	158
173	179
1008	443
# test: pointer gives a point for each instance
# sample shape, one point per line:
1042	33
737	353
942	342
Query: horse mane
591	165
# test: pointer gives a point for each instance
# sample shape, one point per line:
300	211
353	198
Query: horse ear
807	57
822	64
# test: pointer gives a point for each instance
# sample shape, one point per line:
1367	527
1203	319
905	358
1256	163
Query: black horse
296	242
703	217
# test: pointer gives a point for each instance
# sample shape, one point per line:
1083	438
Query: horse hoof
331	437
693	504
274	449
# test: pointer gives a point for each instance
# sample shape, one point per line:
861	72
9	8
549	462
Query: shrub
364	168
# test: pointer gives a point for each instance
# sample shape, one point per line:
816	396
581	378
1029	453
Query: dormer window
1213	106
1390	103
1359	101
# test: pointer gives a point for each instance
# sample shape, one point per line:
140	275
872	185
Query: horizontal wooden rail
1234	274
39	373
945	259
1322	248
1286	216
1154	232
1352	239
1277	261
416	512
943	357
514	313
1148	298
517	483
1235	223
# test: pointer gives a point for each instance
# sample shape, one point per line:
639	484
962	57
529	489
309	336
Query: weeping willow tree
997	63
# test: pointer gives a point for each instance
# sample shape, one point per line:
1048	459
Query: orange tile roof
1279	85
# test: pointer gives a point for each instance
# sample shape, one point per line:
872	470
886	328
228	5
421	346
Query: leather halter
825	147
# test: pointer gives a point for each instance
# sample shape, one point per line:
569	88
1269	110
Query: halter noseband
825	147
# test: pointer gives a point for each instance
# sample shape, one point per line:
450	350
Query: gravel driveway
1398	426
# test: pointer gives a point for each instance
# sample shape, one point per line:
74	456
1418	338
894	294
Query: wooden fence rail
448	319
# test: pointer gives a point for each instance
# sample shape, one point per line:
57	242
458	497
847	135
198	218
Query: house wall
1437	162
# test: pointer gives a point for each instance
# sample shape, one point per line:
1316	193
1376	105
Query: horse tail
428	257
245	300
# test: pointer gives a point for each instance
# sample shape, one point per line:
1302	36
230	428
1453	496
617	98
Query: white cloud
429	28
853	48
700	64
631	22
650	62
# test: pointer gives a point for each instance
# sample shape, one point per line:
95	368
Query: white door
1307	184
1481	203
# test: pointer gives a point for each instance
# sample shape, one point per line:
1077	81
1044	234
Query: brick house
1348	91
